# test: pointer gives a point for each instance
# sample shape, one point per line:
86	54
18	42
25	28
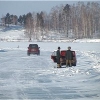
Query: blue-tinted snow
11	28
3	50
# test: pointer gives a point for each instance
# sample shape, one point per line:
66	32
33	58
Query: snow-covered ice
34	77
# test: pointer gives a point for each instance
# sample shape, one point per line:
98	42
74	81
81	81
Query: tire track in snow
95	57
40	74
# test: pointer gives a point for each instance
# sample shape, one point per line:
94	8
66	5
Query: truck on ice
62	59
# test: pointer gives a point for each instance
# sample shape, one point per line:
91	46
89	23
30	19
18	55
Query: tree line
9	19
82	20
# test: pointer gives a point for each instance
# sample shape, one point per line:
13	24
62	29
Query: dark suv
33	49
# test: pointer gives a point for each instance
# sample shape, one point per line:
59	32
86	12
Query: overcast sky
23	7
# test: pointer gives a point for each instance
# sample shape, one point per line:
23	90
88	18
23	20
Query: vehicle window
33	46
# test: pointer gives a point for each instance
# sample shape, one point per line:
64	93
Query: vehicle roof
63	50
66	50
32	44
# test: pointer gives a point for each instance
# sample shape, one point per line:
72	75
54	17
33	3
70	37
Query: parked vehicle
33	49
63	60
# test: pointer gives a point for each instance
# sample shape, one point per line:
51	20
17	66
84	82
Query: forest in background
81	20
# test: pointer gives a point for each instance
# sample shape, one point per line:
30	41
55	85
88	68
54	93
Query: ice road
34	77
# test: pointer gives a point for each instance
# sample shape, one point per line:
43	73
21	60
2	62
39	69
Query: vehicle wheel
28	54
38	53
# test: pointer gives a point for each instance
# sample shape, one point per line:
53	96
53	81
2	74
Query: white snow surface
34	77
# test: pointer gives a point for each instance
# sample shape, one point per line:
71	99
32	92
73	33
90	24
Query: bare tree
67	17
81	19
29	26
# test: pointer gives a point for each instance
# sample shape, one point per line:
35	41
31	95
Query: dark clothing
69	55
69	58
58	56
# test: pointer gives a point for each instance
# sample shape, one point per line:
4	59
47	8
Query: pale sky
24	7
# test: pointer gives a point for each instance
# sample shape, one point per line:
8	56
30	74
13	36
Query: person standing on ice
69	57
58	58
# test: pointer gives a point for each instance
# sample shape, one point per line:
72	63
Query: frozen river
34	77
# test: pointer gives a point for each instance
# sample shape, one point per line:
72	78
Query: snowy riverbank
16	34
